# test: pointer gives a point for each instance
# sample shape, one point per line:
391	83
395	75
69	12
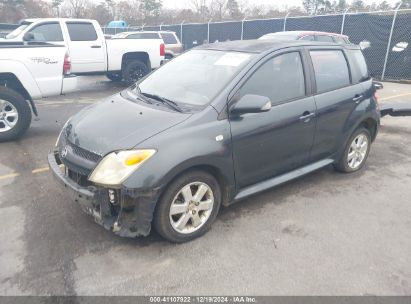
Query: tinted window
324	38
359	66
308	38
280	79
81	31
143	36
47	32
169	38
331	70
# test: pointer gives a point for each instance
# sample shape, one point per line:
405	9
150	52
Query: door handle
357	98
307	116
96	46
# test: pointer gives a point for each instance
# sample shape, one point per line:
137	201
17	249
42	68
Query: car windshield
196	77
119	36
17	31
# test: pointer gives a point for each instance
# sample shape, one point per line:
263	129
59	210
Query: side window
308	38
47	32
324	38
331	70
169	38
360	70
81	31
280	79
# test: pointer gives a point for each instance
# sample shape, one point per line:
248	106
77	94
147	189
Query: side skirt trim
267	184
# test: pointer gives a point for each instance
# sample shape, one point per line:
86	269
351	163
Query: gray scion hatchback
215	125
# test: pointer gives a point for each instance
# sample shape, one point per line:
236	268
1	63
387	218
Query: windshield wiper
163	100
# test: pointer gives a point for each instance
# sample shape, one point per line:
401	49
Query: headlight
116	167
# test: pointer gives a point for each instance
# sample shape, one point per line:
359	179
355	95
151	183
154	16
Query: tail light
162	49
67	64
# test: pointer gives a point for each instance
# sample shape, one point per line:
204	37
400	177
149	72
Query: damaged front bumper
126	212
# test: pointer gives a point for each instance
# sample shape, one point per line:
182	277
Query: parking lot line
64	103
395	96
7	176
40	170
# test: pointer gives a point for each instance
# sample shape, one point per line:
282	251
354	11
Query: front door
271	143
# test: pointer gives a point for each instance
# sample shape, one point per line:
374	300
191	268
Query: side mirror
252	104
28	36
378	85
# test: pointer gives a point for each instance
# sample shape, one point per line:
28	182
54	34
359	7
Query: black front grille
85	154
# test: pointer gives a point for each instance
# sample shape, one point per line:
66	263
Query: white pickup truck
29	71
90	52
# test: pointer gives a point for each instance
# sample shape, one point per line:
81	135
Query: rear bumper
132	214
69	84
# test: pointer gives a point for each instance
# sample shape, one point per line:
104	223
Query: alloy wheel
191	207
8	116
357	151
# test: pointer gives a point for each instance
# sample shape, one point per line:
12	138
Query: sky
279	3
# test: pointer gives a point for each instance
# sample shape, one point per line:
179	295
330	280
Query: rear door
87	51
271	143
336	97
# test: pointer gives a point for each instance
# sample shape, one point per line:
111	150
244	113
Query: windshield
196	77
18	30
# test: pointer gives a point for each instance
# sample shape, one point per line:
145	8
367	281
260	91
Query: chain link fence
385	37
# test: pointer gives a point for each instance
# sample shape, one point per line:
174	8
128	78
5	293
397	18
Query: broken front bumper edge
129	220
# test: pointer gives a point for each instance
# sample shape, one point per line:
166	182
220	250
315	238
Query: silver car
171	41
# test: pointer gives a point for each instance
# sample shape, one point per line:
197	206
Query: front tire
15	115
133	71
356	151
188	207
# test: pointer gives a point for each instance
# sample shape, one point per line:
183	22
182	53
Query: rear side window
47	32
324	38
280	79
331	70
143	36
339	40
360	70
169	38
81	31
307	38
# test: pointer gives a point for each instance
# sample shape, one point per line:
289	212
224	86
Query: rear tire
15	115
356	151
133	71
116	77
188	207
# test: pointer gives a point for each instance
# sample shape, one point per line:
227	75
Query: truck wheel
356	151
114	76
188	207
134	70
15	114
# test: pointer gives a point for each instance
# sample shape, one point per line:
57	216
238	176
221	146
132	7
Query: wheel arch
142	56
217	173
11	81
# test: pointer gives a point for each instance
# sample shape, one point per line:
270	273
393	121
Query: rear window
339	40
307	38
325	38
331	70
143	36
169	38
83	31
360	70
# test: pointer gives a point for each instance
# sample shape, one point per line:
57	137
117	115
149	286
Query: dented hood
118	123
